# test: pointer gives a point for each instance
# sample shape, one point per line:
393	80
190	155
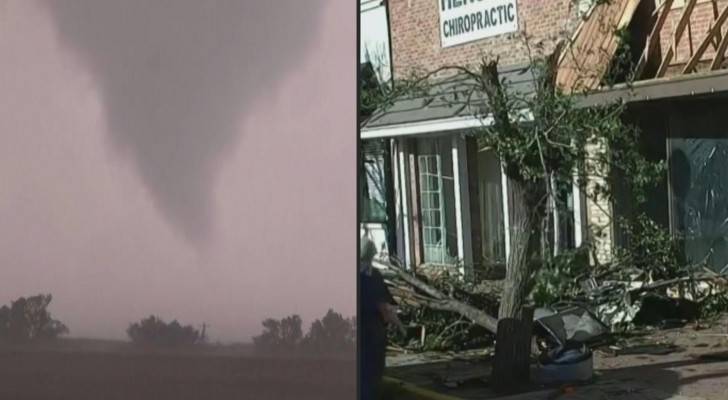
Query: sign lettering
463	21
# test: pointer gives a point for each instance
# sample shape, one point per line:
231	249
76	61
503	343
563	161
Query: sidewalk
605	390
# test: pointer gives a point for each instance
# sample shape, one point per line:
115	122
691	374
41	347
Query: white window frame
427	176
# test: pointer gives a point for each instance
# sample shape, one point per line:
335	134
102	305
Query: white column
506	217
402	199
462	203
578	223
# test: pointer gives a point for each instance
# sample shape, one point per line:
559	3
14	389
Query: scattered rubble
610	316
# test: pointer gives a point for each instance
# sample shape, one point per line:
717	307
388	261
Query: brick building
450	206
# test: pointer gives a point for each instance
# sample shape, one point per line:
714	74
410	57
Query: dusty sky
191	159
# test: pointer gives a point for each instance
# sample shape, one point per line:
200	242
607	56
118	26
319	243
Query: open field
78	370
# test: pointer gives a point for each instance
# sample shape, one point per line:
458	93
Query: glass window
698	154
374	190
565	211
699	180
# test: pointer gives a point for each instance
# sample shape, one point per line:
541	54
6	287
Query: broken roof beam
693	62
653	40
679	30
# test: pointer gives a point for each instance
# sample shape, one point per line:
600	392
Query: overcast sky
184	158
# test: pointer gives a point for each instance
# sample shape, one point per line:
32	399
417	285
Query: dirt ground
686	362
110	371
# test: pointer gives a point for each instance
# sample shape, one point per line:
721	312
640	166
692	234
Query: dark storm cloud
176	78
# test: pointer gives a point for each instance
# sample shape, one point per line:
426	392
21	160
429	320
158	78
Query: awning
682	86
445	106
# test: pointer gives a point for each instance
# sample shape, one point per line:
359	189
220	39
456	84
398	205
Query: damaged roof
589	53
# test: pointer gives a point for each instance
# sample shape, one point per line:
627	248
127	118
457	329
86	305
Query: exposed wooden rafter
679	30
719	35
719	54
653	40
714	30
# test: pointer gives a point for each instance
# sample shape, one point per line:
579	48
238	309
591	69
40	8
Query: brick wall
415	35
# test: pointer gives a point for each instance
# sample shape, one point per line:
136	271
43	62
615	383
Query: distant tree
28	319
153	331
270	339
331	334
283	335
291	332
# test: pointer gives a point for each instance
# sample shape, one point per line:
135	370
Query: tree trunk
511	365
513	338
521	217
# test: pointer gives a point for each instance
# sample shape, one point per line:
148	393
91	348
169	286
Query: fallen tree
428	296
607	288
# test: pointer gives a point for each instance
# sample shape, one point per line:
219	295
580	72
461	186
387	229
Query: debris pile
603	300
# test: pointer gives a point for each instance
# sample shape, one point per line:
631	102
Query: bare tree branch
439	301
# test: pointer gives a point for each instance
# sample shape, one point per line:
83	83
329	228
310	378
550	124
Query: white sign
463	21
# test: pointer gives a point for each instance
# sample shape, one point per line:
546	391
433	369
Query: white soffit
433	126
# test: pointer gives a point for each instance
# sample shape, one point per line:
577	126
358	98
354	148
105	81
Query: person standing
377	310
